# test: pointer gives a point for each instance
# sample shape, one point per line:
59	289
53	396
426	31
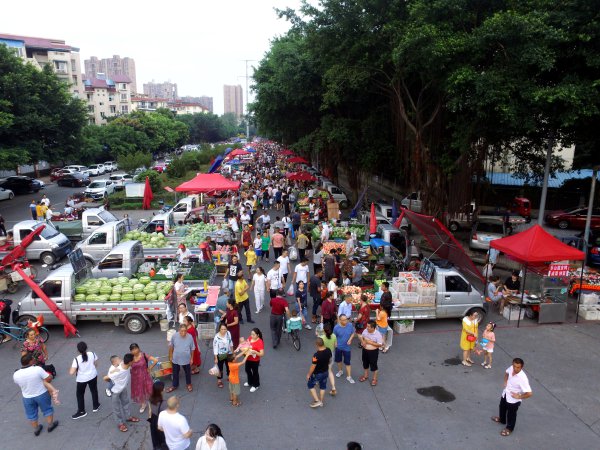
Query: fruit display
340	232
339	246
148	240
353	294
197	233
121	289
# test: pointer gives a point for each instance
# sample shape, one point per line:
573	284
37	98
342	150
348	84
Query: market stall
535	249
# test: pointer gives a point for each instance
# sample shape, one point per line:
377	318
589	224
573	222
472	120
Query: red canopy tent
297	160
287	153
208	182
536	247
238	152
300	176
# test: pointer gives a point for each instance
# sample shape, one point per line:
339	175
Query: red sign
558	270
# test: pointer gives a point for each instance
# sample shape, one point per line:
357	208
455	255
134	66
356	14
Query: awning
208	182
216	164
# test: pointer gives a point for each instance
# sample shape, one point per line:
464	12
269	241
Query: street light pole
546	176
247	99
588	219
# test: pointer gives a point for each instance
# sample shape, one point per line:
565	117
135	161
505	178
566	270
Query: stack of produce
353	293
121	289
340	232
427	292
148	240
197	233
339	246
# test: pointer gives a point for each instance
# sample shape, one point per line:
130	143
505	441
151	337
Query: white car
76	168
110	166
6	194
100	189
120	180
95	169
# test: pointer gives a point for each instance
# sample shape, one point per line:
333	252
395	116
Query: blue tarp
555	180
216	164
228	150
376	242
251	150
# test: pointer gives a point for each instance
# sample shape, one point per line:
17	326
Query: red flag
399	220
373	220
147	195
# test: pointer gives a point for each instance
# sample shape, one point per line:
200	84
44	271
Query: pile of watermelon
197	233
121	289
148	240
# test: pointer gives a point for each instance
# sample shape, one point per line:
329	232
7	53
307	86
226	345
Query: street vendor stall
535	248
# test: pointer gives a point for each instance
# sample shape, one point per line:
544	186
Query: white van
183	208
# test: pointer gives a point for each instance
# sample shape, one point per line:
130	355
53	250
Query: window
73	66
112	262
113	109
52	288
454	283
94	221
124	96
17	51
60	66
182	207
91	108
90	96
111	98
98	238
124	109
23	234
123	85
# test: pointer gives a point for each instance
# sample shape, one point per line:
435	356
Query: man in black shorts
318	373
371	341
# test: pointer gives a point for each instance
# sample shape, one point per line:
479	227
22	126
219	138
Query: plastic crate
589	313
426	291
427	300
401	327
408	298
589	299
206	330
513	312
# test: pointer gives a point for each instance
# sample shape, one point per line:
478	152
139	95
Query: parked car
76	168
96	169
573	218
6	194
593	254
120	180
100	189
160	167
110	166
413	201
137	171
485	231
76	179
55	173
39	183
20	184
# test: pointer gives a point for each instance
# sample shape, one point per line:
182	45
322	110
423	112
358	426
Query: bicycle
18	333
293	333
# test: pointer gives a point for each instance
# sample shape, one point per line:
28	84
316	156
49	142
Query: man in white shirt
301	272
175	426
120	392
274	279
516	388
234	227
349	245
345	308
245	218
324	232
284	264
183	254
35	384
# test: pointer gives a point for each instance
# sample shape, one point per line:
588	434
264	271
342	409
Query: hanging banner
558	270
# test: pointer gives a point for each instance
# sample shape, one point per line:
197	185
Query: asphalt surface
561	362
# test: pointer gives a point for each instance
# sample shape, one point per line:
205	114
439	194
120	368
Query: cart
9	279
163	369
206	331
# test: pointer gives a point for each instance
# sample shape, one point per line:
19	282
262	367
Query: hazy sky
198	44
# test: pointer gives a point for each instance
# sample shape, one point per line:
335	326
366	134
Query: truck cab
385	210
161	222
184	207
49	246
101	241
413	201
122	261
455	295
338	195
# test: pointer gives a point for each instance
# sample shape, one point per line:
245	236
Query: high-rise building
234	100
205	101
112	66
41	52
107	97
166	90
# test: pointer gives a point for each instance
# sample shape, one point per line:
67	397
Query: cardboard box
590	299
333	210
589	313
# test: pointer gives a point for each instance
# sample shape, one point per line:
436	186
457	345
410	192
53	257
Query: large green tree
39	118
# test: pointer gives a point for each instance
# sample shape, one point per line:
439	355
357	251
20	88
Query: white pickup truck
49	246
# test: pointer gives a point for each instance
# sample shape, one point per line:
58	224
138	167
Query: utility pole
247	99
546	176
588	219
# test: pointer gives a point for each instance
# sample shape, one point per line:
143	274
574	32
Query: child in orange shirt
234	377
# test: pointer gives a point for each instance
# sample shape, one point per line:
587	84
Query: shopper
382	319
314	289
265	246
242	299
181	355
371	341
34	345
141	381
256	353
302	242
259	287
488	339
284	265
191	329
222	348
84	367
516	389
468	336
35	386
278	240
328	310
175	426
279	311
251	260
233	369
274	279
212	439
344	332
232	320
330	341
233	270
120	392
318	372
301	303
301	272
157	405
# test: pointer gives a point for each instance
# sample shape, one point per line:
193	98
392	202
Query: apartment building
161	90
40	52
107	97
111	67
234	100
142	103
205	101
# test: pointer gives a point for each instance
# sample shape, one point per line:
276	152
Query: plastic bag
293	253
319	330
290	291
214	371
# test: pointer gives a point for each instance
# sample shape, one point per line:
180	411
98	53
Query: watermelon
160	296
123	280
93	290
91	298
138	287
103	298
151	296
127	297
144	280
140	296
106	290
81	289
115	297
79	297
126	290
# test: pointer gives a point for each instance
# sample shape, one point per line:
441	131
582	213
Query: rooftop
554	181
40	43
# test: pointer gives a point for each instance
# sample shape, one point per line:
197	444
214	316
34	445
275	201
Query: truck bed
109	308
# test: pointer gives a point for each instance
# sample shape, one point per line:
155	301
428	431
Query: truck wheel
48	258
89	264
135	324
22	320
563	224
343	204
454	227
12	288
479	311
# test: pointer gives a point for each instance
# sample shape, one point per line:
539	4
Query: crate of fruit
426	289
427	300
408	298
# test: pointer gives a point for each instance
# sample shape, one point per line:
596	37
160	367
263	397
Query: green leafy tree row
433	91
39	118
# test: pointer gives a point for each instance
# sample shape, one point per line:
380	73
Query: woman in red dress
197	360
232	320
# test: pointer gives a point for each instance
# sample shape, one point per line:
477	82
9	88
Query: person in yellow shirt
242	299
41	214
251	259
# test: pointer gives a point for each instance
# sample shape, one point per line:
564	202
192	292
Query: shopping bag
293	253
290	291
319	330
214	371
